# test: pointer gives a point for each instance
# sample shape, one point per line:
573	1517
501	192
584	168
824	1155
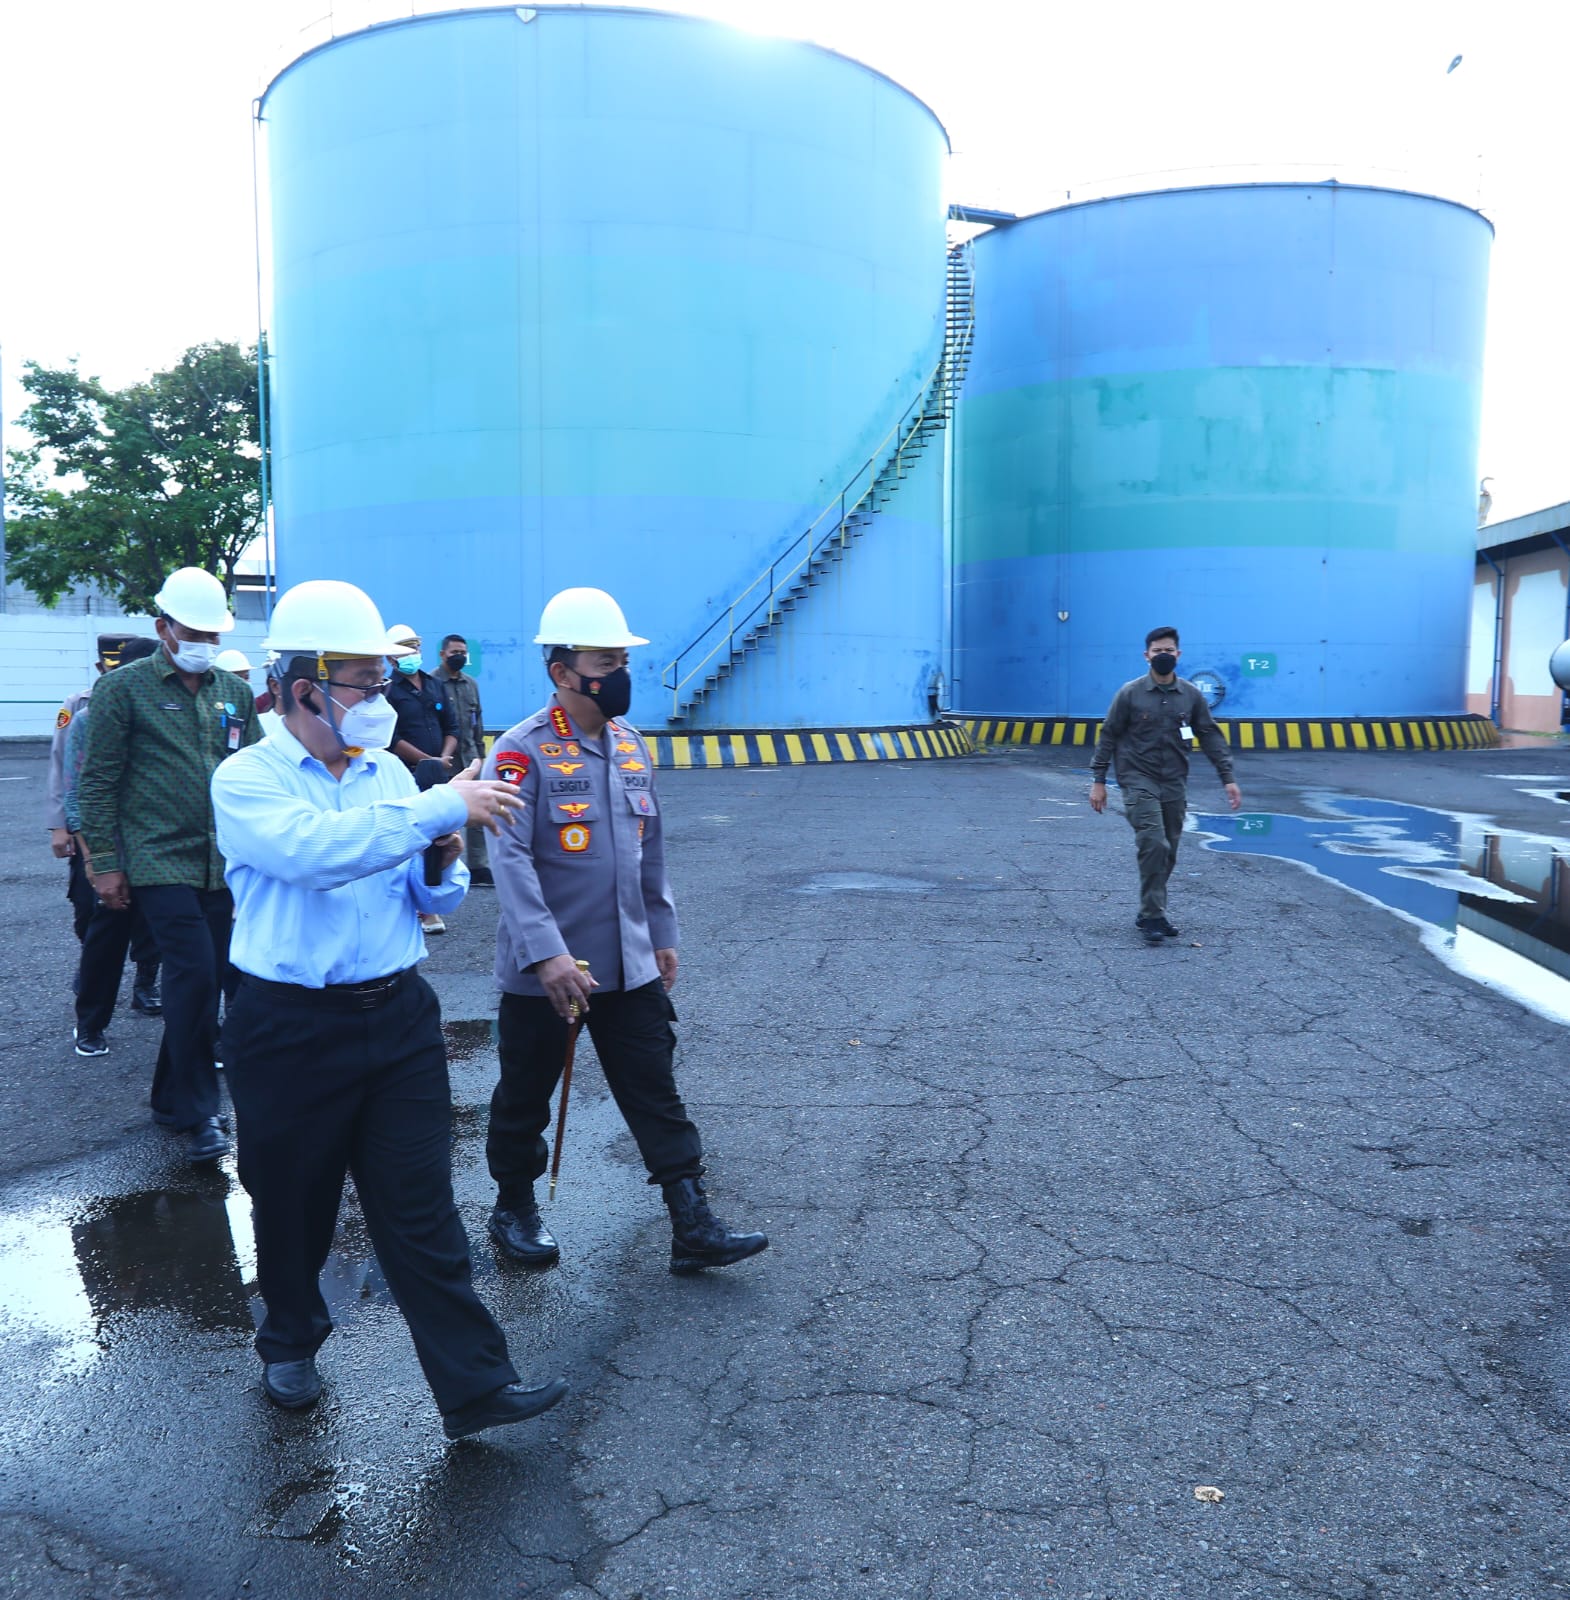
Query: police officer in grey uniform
583	879
102	960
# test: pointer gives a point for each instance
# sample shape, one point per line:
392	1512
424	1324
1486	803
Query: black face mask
1163	662
611	691
457	661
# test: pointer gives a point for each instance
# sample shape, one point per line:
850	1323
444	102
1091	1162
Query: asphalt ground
1063	1228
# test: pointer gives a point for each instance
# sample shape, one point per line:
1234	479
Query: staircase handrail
938	384
776	575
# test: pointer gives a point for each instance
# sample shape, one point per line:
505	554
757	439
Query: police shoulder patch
64	719
512	766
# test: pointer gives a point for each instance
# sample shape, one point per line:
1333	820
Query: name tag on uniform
234	735
1184	731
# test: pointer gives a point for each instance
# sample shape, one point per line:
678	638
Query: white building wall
1537	625
1480	658
44	657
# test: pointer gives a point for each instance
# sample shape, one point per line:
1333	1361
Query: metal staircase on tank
759	609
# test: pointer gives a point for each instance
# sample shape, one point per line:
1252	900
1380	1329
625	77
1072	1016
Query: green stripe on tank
1242	457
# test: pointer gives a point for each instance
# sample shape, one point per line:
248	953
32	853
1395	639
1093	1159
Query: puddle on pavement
888	883
75	1276
77	1279
468	1040
1493	903
863	883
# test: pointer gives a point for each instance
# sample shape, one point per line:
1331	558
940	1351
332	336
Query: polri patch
512	766
575	838
63	720
550	749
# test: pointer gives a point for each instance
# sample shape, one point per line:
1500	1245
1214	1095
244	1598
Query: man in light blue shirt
333	1044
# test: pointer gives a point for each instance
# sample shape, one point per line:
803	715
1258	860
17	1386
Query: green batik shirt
152	747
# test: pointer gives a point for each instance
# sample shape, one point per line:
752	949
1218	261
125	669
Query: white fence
44	658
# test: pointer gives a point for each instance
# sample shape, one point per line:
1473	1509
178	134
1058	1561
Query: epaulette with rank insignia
561	722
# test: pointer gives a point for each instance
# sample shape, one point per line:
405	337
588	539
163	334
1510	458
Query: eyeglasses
370	691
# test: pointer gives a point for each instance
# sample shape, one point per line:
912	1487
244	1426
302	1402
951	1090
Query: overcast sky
125	139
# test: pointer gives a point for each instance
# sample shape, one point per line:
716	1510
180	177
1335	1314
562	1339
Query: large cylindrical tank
581	295
1250	412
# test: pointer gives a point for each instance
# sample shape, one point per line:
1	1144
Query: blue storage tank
582	295
1250	411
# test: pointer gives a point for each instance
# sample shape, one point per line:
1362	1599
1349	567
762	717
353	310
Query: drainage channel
1493	903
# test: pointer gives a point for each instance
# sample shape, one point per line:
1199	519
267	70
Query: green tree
120	486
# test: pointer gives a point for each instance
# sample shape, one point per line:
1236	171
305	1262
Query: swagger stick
574	1028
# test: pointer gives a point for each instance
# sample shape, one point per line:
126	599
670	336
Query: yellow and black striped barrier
1264	733
807	747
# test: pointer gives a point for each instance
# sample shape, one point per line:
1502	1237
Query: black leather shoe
698	1238
1150	929
164	1120
523	1236
510	1403
294	1385
207	1143
482	877
146	1001
1164	928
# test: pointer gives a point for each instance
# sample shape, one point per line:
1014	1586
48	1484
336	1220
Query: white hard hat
400	636
196	600
325	617
584	619
232	661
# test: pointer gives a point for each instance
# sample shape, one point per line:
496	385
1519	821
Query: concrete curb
1265	733
798	747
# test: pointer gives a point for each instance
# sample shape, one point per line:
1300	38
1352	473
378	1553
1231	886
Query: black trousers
322	1088
106	936
636	1044
191	927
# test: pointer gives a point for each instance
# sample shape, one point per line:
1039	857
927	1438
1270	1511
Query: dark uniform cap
110	645
135	648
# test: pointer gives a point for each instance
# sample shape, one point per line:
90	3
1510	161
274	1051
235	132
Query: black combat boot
145	996
521	1234
698	1238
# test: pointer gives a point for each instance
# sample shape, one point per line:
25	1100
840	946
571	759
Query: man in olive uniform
1148	730
463	694
158	730
582	878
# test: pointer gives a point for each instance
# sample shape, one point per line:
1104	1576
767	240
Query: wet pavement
1494	902
1064	1227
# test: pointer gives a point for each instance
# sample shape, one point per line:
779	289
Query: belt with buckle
365	996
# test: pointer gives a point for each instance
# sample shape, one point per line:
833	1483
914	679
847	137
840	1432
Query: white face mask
367	725
190	656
